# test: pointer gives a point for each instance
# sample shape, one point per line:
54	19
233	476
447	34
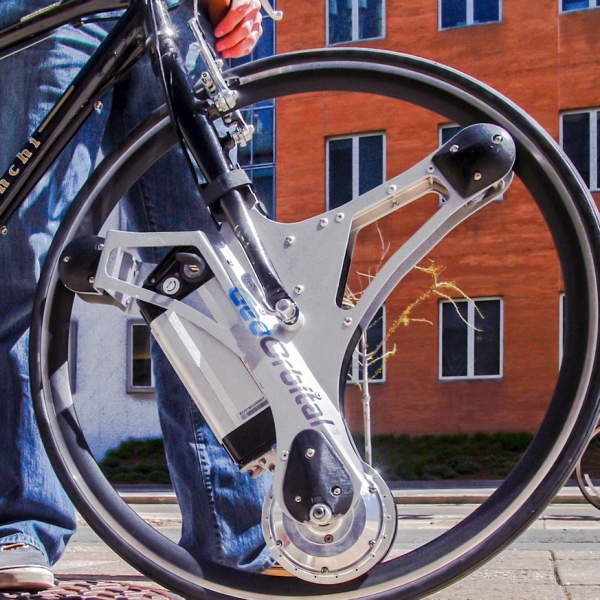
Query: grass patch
137	461
461	456
419	458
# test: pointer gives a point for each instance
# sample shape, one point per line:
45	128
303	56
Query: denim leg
33	506
221	507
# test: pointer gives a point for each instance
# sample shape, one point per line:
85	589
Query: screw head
328	538
497	139
290	240
454	148
3	230
98	105
391	189
336	491
477	176
66	259
310	453
298	289
91	279
324	222
298	499
348	321
430	169
324	570
339	217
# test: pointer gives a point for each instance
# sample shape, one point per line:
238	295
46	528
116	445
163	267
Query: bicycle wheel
588	470
570	217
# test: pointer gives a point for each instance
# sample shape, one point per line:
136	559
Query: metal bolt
497	139
391	189
324	222
66	259
91	279
339	217
98	105
298	499
3	230
372	543
100	247
318	395
324	570
310	453
477	176
337	490
348	321
230	262
454	148
284	455
152	280
290	240
298	289
430	169
373	489
279	543
328	538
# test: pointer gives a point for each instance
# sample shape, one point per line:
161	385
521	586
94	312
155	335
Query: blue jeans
221	508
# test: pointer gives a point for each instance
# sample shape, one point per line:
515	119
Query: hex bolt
477	176
454	148
328	538
497	139
310	453
298	499
336	491
339	217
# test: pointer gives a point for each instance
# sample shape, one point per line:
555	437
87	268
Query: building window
354	20
471	339
258	157
568	5
579	133
370	354
355	165
139	360
458	13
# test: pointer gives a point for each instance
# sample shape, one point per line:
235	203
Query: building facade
490	365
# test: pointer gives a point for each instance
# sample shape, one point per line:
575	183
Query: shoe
24	568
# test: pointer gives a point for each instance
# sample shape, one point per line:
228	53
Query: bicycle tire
571	218
587	471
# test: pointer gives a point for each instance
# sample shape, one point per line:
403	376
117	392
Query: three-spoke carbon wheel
572	221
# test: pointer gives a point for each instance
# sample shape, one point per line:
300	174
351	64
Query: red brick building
543	55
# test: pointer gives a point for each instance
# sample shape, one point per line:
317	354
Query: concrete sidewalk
557	558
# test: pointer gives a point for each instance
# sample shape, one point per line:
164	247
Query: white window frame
355	366
470	16
355	24
471	340
131	388
564	12
355	166
593	112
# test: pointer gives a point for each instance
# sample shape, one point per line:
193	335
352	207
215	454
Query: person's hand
239	30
